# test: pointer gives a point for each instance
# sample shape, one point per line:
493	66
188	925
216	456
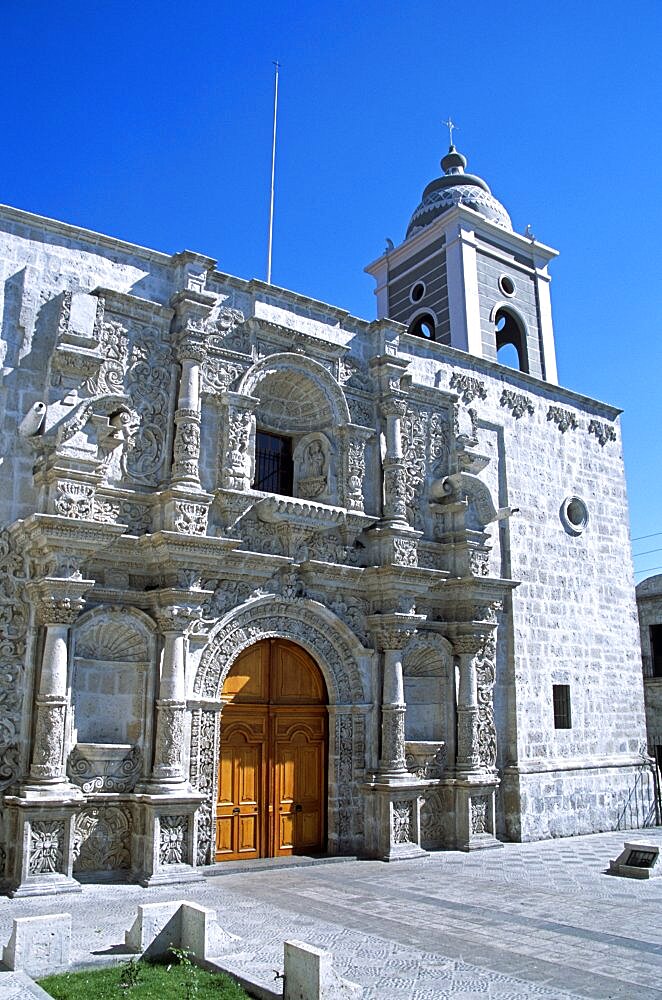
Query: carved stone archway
337	652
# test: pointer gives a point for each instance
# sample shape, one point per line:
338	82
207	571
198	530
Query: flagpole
273	174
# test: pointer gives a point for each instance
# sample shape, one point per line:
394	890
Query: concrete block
155	928
638	859
309	975
179	924
39	945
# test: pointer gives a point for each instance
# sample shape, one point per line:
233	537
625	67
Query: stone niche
112	690
314	477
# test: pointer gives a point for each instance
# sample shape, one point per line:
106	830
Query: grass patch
178	979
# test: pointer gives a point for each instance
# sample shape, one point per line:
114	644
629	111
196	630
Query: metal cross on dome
450	125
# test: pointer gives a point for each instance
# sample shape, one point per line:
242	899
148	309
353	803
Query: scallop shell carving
109	640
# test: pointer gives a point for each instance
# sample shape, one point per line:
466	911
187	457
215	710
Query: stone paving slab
531	920
18	986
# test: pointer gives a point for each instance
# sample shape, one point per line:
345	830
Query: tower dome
457	188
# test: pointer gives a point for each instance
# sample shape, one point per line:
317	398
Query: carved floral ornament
602	431
517	403
564	419
468	387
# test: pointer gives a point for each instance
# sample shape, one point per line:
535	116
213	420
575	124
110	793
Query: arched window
422	326
510	341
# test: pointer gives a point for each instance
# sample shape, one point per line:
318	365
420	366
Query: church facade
275	579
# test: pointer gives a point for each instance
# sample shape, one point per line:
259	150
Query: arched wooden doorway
272	767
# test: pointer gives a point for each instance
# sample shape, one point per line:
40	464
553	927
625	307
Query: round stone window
574	515
506	284
417	292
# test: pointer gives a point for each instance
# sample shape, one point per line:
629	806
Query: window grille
561	698
273	464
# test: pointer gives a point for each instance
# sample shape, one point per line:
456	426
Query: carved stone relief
117	774
603	432
102	839
425	446
312	469
204	736
46	847
468	386
403	821
14	613
517	403
149	384
485	676
173	839
564	419
479	815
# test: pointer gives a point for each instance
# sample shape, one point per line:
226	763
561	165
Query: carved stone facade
413	548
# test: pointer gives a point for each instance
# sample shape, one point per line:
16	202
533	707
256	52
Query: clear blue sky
151	121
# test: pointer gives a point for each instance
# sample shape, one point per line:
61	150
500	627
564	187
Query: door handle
236	810
298	808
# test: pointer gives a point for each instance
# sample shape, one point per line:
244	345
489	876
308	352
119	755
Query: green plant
183	956
129	974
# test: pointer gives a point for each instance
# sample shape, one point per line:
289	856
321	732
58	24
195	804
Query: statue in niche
311	463
314	460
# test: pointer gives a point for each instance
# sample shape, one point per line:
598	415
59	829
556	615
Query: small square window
561	697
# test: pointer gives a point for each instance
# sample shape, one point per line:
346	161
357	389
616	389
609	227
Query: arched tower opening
510	340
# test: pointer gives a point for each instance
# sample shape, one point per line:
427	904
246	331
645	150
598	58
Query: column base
172	875
45	885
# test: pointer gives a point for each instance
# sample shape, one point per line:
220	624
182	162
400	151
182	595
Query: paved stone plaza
531	920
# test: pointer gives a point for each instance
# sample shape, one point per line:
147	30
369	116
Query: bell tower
464	279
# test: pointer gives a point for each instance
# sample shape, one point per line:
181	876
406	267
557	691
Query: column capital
58	601
174	610
393	631
393	406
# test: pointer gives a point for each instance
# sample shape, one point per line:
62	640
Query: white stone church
278	580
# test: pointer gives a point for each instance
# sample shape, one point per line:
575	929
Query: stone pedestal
474	815
397	811
42	835
164	844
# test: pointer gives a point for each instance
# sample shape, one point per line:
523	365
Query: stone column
186	449
397	804
59	602
468	757
475	782
168	774
395	507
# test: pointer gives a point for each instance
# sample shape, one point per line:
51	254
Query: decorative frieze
468	387
517	403
564	419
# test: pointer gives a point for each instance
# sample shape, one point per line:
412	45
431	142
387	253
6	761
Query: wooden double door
273	757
